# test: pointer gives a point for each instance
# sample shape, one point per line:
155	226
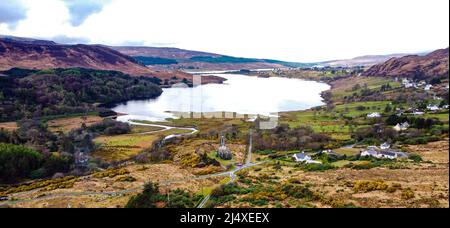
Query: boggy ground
100	190
427	181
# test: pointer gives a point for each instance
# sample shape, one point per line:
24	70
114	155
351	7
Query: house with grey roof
374	115
380	154
301	157
385	146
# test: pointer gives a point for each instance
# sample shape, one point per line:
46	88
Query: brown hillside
40	55
433	64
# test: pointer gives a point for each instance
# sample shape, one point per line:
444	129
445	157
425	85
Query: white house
369	152
428	87
402	127
374	115
385	146
379	154
418	113
302	157
387	154
433	107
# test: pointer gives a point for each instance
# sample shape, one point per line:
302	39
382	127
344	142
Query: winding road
231	174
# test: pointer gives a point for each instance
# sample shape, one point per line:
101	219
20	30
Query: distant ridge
40	54
186	59
365	61
433	64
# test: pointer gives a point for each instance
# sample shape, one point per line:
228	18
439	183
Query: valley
186	166
87	126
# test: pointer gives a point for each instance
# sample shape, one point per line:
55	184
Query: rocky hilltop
431	65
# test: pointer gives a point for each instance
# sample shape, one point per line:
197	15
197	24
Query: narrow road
232	174
165	128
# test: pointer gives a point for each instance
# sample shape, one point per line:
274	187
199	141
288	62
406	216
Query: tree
147	199
388	108
17	162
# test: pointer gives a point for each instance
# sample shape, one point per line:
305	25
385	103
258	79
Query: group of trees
416	122
421	131
30	151
28	93
151	197
285	138
17	162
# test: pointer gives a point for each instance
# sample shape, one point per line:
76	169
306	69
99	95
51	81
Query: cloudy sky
291	30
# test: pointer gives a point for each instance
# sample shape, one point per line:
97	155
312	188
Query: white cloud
80	10
281	29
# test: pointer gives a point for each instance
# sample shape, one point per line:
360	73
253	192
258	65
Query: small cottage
301	157
374	115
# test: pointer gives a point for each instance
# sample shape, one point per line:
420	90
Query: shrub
393	188
317	167
368	186
408	194
415	157
126	179
111	173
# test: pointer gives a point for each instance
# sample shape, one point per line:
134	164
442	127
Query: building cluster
383	152
417	85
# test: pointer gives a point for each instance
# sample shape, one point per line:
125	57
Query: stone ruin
223	152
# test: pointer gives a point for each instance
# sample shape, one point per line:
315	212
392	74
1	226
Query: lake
240	94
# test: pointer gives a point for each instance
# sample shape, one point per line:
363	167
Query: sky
289	30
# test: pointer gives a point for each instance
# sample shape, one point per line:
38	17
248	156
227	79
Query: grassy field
347	151
203	124
355	109
342	88
321	122
135	129
70	123
444	117
122	147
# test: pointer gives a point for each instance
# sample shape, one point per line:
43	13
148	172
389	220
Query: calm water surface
240	94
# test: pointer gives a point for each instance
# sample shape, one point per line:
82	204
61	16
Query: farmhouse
379	154
433	107
301	157
374	115
402	127
385	146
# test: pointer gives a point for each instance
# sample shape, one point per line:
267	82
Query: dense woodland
31	94
283	138
34	152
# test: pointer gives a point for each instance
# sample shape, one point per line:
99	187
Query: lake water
240	94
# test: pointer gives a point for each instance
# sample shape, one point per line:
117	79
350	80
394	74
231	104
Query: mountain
430	65
175	58
18	52
365	61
